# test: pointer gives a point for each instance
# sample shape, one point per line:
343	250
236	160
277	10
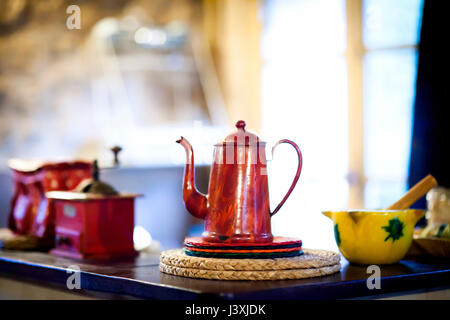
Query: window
390	36
338	78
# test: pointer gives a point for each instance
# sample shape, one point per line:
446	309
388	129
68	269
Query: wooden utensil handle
415	193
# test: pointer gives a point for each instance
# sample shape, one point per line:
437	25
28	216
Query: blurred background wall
336	76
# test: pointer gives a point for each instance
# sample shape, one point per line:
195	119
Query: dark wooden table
140	278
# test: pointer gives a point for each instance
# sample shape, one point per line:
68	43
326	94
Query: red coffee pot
237	207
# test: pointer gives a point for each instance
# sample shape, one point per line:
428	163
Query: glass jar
438	203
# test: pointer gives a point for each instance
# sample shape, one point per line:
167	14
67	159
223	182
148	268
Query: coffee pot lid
241	136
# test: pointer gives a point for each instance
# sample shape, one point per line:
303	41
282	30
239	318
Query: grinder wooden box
93	225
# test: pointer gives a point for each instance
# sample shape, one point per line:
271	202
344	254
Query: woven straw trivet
12	241
309	259
312	263
250	275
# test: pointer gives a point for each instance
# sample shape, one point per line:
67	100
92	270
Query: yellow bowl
374	236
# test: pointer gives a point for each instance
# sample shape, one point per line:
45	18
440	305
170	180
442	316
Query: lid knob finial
240	124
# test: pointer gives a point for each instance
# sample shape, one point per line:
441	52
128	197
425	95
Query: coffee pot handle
297	175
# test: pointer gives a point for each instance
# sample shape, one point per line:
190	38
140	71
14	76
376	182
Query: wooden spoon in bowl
415	193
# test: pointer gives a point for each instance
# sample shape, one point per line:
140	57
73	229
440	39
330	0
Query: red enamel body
236	209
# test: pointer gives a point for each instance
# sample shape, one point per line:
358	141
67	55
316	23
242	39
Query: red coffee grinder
95	221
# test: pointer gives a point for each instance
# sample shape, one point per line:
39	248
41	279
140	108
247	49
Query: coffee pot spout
196	202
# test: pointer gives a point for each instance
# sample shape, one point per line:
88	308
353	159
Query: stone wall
47	71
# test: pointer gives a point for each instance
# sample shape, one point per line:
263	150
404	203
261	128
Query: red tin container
29	213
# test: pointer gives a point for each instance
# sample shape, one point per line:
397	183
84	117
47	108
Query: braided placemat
250	275
309	259
312	263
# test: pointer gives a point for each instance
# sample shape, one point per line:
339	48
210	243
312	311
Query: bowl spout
328	214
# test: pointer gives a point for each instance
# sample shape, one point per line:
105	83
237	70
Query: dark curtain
430	152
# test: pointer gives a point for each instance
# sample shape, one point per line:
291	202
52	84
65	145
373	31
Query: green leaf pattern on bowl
337	235
394	229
